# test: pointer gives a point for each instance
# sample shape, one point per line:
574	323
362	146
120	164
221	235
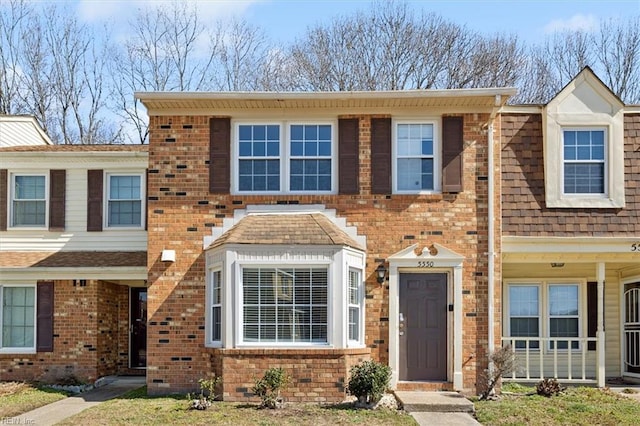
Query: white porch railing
540	357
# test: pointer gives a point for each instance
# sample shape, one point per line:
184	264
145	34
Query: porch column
600	374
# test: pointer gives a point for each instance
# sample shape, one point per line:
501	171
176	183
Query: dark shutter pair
452	147
220	156
57	195
348	155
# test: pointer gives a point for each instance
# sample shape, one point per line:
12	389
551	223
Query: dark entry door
138	328
423	327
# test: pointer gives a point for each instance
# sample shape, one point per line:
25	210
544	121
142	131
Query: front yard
575	406
17	398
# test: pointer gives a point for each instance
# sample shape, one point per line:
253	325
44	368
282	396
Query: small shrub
207	393
368	381
549	387
269	386
502	362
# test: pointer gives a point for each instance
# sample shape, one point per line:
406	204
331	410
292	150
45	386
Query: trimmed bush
368	381
269	386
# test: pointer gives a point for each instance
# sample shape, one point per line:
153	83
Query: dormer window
584	161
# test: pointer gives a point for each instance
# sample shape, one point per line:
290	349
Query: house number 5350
429	264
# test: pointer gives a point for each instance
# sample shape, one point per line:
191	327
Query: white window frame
437	154
358	305
12	191
19	350
107	198
544	323
241	342
284	155
213	305
604	194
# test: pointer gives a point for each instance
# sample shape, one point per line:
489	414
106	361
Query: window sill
593	202
20	351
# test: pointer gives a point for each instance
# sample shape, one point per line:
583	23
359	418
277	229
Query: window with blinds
216	306
285	305
354	304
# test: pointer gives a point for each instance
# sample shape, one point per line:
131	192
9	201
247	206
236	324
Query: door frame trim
439	260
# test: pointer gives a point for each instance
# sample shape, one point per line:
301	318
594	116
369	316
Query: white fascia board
106	273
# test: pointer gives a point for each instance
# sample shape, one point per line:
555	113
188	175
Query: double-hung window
216	306
416	162
284	158
544	309
124	200
28	200
284	305
354	303
584	161
17	317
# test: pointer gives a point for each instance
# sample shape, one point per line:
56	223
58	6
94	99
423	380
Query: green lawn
17	398
575	406
139	409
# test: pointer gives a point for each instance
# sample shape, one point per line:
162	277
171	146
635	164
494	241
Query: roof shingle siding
523	208
72	259
290	229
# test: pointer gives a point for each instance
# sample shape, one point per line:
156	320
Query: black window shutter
348	160
452	146
3	199
57	188
592	312
220	156
94	200
44	317
381	155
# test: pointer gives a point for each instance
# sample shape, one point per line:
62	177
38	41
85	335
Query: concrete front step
424	386
436	402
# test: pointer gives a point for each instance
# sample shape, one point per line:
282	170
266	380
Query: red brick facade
90	337
182	212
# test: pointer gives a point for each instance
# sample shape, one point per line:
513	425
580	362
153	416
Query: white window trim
284	157
360	305
29	350
437	153
106	197
239	320
11	194
543	308
554	124
209	342
569	195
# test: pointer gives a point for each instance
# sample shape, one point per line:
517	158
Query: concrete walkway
438	408
53	413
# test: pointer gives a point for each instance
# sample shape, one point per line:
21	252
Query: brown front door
138	328
423	327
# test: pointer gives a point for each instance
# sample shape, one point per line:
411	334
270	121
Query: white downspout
491	254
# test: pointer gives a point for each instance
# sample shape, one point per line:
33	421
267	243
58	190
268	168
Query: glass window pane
563	300
18	330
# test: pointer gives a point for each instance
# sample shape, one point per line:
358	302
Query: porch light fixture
168	256
381	273
557	265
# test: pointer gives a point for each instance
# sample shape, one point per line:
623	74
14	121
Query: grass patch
575	406
137	408
17	398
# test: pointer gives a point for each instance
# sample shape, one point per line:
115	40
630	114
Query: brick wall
523	207
86	345
182	213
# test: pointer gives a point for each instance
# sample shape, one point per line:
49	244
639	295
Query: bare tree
617	47
162	54
12	18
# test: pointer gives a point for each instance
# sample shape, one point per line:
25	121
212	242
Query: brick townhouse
279	211
311	231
